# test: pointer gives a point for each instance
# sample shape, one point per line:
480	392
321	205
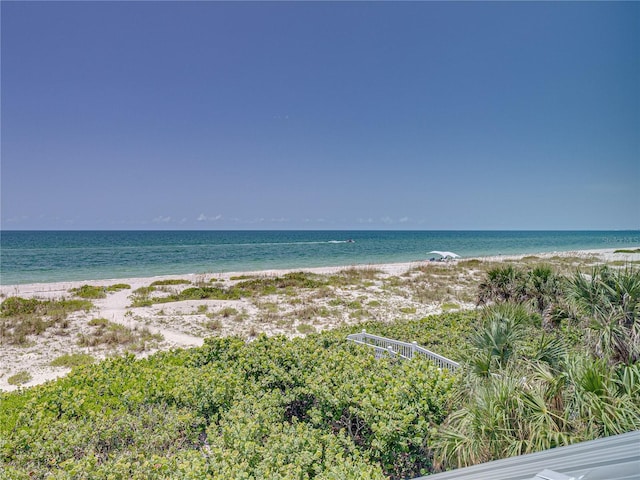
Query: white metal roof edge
572	460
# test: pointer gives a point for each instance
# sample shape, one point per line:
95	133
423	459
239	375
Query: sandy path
115	308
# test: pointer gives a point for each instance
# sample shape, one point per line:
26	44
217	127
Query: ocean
53	256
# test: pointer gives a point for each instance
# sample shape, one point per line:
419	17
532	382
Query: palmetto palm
495	343
604	398
502	284
543	289
510	414
609	304
526	400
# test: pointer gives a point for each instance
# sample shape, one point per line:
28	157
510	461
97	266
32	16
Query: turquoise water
51	256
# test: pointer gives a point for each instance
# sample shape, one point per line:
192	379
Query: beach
383	292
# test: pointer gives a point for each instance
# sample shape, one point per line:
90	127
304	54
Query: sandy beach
384	292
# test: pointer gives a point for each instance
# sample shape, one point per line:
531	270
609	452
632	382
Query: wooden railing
389	347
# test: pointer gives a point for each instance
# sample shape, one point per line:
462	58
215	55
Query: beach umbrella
445	254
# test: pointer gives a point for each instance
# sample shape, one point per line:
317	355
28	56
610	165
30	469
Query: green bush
19	378
228	312
30	316
305	328
114	334
98	322
314	407
14	306
170	281
72	360
447	306
89	291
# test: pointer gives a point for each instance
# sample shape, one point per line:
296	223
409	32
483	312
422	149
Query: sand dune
187	323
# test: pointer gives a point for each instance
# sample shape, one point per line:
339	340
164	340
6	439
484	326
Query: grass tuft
171	281
70	360
89	291
19	378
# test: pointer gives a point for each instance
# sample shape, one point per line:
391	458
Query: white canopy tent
445	254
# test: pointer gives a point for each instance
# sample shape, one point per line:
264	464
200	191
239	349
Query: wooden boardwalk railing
389	347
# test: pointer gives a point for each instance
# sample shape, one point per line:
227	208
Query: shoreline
53	257
186	323
605	254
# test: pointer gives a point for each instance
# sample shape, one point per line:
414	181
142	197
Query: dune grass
22	317
70	360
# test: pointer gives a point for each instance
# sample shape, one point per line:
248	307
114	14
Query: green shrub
447	306
214	324
238	277
114	334
228	312
64	307
144	290
305	328
19	378
118	286
408	310
89	291
14	306
315	407
473	262
210	293
170	281
72	360
24	317
98	322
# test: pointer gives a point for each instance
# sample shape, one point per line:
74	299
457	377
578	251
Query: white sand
183	324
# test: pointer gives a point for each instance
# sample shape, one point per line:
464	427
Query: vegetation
115	334
70	360
305	328
21	317
447	306
253	287
607	302
314	407
549	360
228	312
89	291
19	378
170	281
528	388
95	292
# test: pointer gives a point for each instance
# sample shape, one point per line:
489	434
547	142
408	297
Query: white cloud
161	219
203	218
404	220
17	219
386	220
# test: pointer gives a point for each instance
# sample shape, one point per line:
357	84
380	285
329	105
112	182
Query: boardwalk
387	346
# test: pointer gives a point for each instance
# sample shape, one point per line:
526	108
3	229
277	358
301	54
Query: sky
320	115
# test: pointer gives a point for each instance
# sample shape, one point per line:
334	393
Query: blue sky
320	115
